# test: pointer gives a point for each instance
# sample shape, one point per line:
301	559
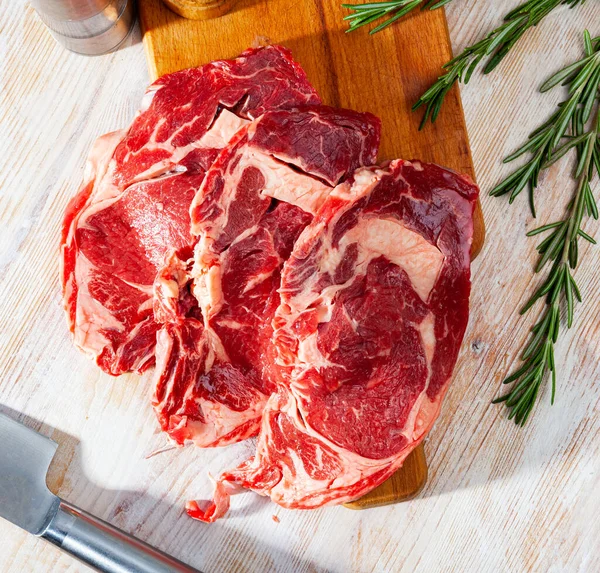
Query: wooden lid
200	9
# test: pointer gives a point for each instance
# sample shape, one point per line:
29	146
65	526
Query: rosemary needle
493	49
393	10
548	143
560	247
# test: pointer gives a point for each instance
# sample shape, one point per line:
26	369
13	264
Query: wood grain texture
404	485
346	72
497	498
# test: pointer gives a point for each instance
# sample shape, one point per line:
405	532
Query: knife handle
104	547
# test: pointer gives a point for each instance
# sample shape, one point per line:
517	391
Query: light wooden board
496	499
383	76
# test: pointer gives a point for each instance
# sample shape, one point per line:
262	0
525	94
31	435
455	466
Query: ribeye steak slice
132	211
215	358
374	305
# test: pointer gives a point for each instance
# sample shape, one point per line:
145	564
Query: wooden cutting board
383	74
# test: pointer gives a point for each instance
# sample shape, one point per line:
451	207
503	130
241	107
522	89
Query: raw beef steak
215	364
374	305
132	211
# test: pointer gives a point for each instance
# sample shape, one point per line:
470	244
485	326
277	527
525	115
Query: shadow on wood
139	514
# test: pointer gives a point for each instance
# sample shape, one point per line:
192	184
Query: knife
26	501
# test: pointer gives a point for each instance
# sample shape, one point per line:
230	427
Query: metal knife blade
25	457
26	501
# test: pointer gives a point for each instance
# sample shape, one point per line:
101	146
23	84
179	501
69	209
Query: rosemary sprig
493	48
394	9
544	144
560	247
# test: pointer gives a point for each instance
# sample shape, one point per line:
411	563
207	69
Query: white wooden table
498	498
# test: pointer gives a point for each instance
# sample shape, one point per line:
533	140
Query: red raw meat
132	212
374	305
210	238
215	364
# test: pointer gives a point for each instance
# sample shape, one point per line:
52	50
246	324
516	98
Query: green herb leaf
494	48
568	129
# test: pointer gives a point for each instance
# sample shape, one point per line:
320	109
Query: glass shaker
90	27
